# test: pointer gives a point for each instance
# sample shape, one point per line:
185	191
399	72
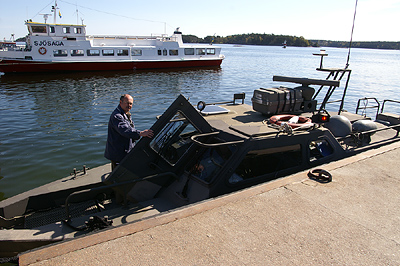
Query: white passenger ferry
66	47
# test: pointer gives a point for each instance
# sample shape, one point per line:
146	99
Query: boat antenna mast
351	37
45	16
54	10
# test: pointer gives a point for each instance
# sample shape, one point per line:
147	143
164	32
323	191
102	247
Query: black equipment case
277	100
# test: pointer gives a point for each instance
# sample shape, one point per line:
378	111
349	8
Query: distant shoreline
368	45
278	40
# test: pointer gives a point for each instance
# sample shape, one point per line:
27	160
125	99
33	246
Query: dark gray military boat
201	153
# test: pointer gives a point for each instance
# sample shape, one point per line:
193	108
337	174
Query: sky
376	20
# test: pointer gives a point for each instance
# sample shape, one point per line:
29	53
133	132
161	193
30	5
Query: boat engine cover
339	125
364	125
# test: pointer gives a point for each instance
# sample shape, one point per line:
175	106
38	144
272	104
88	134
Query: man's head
126	102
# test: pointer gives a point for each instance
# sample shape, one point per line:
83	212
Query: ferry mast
54	10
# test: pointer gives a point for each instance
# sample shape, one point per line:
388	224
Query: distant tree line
370	45
277	40
251	39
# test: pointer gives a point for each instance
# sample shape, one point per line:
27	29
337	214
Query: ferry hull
24	66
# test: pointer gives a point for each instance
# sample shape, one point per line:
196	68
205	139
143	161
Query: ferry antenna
45	17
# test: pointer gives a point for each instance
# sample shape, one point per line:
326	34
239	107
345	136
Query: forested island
278	40
369	45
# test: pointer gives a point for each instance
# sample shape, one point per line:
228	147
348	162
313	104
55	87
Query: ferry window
39	29
173	141
257	163
52	29
164	52
136	52
189	51
66	30
60	52
200	51
122	52
210	50
78	30
77	53
319	149
159	52
93	52
173	52
108	52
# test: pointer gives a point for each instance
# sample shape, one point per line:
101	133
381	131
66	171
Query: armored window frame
173	141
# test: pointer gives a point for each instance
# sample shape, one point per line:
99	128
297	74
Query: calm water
54	123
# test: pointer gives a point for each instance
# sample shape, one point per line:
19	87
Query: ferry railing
119	37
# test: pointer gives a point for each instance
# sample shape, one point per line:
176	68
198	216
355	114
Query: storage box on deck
277	100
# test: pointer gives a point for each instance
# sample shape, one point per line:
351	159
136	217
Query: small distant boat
66	47
284	44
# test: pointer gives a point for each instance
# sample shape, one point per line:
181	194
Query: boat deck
291	221
242	120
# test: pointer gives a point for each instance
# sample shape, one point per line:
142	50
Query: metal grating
41	218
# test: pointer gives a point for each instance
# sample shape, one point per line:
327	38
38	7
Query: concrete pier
353	220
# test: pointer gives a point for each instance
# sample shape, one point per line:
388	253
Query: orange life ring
279	119
42	50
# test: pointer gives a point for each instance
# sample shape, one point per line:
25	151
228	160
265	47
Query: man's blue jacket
121	136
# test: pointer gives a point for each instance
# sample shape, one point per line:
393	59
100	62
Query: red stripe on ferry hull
23	66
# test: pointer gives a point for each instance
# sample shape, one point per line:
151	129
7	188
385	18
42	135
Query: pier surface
353	220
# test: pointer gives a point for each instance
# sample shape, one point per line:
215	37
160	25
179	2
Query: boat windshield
211	162
173	141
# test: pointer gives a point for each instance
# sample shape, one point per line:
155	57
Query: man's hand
147	133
